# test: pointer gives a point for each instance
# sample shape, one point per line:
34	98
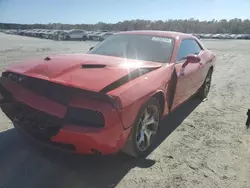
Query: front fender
129	113
133	95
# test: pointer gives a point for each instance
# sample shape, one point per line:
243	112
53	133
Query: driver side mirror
91	48
192	58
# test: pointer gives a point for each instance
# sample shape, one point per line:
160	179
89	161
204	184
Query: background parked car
62	35
94	35
28	33
216	36
37	32
207	36
233	36
224	36
45	34
52	34
247	36
104	35
197	35
240	36
76	34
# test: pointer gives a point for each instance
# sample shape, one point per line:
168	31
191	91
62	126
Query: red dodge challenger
110	99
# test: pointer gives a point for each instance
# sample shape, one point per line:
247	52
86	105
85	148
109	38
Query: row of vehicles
74	34
78	34
223	36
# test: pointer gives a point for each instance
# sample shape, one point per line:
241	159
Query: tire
205	88
61	37
84	38
67	37
138	144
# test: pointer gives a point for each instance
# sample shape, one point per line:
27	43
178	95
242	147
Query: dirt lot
201	145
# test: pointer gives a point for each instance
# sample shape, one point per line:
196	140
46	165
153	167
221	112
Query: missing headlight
85	117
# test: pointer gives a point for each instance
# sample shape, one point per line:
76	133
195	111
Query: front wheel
144	131
84	38
67	37
205	88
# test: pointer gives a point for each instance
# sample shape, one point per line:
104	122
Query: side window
72	32
188	46
75	31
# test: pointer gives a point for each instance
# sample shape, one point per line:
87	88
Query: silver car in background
76	34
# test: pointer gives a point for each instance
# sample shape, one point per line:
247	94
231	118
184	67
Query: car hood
85	71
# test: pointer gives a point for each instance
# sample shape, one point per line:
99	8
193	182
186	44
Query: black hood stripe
127	78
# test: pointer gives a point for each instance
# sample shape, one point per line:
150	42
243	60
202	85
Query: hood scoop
93	66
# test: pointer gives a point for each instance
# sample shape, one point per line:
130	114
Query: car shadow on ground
25	164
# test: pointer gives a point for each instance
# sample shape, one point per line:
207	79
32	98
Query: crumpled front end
62	117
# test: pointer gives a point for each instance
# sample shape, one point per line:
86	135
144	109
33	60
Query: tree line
234	26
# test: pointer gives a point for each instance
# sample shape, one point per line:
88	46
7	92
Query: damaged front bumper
44	120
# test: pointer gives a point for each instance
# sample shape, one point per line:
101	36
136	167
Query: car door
73	34
77	34
188	77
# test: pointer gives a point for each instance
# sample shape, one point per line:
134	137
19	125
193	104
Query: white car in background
76	34
104	35
94	35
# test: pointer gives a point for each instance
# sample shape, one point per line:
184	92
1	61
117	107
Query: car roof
176	35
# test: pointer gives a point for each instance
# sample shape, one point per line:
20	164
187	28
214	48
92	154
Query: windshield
140	47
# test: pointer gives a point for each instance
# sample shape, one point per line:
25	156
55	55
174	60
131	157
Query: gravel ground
201	145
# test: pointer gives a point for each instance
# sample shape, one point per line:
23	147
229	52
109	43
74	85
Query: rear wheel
84	38
205	88
144	131
67	37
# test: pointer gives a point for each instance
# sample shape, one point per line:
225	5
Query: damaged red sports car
110	99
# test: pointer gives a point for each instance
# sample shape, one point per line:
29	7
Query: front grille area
50	90
59	93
